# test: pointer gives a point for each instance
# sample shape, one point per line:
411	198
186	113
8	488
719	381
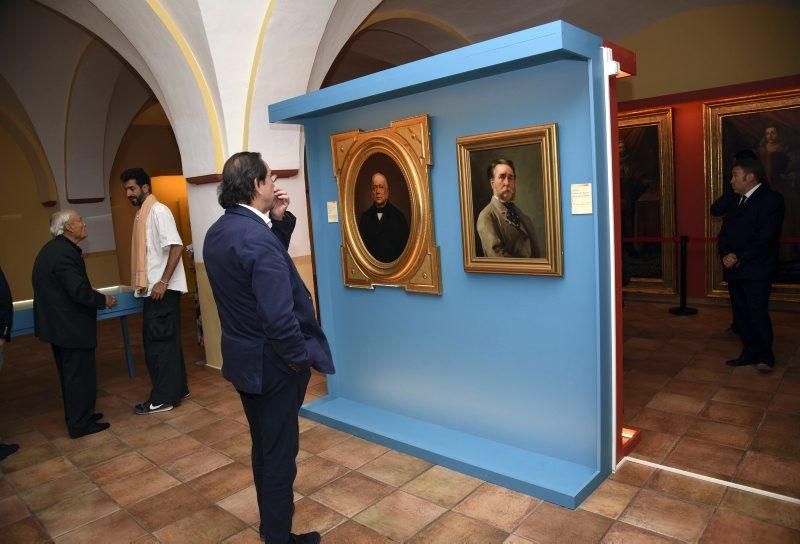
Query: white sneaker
149	408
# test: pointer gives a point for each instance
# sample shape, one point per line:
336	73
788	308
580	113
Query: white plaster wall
15	120
42	69
39	67
283	71
193	26
233	38
203	211
92	89
128	97
223	40
87	15
345	19
182	97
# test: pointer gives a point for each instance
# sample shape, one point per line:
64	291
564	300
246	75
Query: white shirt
264	216
749	193
161	233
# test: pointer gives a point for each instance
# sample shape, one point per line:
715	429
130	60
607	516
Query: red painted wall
688	150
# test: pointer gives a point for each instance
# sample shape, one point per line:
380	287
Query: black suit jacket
751	231
64	303
6	308
385	238
267	316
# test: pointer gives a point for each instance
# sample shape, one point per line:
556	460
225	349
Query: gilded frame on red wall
733	125
647	137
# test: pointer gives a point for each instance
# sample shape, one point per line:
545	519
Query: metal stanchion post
683	309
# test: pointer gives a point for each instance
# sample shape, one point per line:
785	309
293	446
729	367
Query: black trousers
163	352
274	429
750	302
76	372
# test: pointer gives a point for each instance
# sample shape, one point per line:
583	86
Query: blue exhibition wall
502	376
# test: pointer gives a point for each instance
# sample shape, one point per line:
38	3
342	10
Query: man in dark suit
65	314
748	247
6	320
383	227
270	335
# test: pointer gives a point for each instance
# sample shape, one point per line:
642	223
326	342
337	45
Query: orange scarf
139	245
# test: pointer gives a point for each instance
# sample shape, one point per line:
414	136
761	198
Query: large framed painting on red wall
648	204
769	125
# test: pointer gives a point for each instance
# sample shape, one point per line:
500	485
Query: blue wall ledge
548	478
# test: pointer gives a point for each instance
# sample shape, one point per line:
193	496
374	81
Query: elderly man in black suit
65	315
748	247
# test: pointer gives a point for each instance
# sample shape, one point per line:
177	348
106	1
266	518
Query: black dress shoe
739	362
7	449
305	538
97	416
90	429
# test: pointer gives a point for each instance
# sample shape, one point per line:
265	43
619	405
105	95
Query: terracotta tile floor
184	476
698	414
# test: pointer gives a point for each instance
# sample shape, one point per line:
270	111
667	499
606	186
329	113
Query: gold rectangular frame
552	262
662	119
713	115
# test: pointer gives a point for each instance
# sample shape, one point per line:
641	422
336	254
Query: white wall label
333	212
581	198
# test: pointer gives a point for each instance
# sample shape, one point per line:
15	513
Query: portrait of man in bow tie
505	230
383	226
383	208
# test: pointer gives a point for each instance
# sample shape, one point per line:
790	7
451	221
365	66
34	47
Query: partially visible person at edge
270	335
6	321
158	276
65	315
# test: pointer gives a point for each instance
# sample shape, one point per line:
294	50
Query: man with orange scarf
158	276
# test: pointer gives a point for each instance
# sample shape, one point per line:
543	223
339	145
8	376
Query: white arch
148	36
85	126
344	21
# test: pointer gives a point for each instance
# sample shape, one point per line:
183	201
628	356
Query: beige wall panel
24	222
102	268
713	47
212	331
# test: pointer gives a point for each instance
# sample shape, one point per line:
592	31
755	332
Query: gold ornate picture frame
387	244
485	226
647	190
769	125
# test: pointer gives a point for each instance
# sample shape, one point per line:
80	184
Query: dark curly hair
138	174
490	170
237	178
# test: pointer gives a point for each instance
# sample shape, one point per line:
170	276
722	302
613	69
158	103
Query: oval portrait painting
382	207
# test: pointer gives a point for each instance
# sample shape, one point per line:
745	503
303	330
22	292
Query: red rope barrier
675	239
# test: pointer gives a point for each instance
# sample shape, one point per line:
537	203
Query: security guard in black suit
748	247
65	314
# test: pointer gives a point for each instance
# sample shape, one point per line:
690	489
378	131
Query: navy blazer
267	316
751	231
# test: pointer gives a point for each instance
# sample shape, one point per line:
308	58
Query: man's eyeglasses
273	177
